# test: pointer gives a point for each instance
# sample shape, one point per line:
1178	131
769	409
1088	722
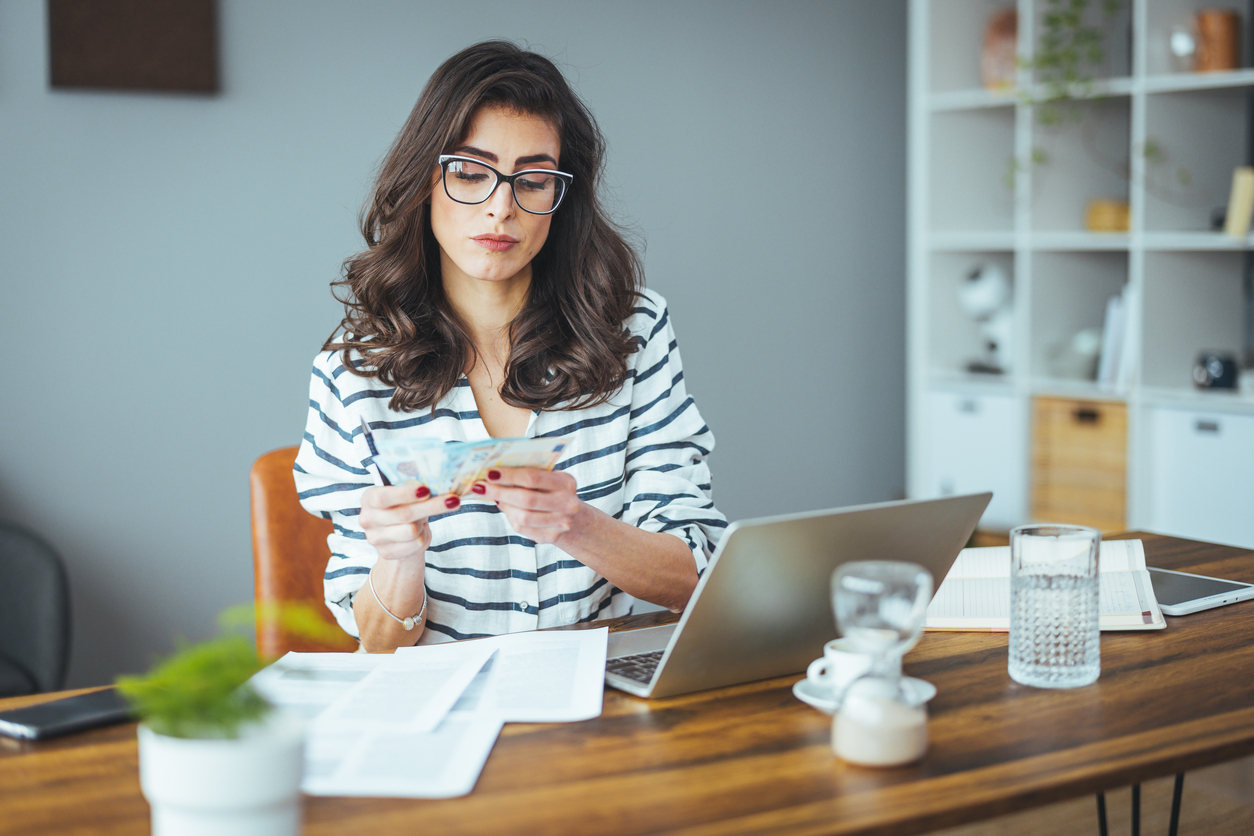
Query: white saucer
821	698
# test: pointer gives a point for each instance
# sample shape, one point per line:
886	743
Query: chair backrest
290	554
35	617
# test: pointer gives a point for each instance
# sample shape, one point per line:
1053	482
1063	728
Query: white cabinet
991	184
976	443
1202	482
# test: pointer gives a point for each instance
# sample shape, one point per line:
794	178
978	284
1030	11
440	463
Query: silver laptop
762	608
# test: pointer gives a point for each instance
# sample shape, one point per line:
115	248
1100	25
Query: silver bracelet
407	623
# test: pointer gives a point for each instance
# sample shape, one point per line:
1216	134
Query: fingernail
494	475
452	502
479	488
423	492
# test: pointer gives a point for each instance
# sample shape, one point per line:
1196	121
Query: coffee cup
841	664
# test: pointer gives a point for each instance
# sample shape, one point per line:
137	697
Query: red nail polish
494	475
479	488
423	492
452	502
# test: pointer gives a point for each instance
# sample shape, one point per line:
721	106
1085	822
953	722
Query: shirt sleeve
668	486
331	474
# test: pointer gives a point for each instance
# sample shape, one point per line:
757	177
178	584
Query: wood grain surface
754	759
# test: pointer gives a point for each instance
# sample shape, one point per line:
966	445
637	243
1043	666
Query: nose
500	204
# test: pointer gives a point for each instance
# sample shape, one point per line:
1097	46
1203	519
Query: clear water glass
880	606
1054	606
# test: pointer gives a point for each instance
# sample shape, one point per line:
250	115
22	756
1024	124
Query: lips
495	243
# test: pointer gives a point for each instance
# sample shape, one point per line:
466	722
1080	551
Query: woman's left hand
541	505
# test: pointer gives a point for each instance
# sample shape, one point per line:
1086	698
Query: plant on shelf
1071	46
1069	49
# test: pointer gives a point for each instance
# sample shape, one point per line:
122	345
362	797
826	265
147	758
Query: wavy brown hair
569	344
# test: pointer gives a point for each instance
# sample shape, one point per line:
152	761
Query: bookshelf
1163	141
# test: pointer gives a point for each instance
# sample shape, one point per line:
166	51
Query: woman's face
495	241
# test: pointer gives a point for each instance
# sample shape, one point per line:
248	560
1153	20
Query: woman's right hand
394	518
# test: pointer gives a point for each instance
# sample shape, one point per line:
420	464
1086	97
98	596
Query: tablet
1180	593
65	715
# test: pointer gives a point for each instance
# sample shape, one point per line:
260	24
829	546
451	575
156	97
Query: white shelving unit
968	430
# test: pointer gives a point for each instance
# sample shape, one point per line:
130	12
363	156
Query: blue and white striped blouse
641	458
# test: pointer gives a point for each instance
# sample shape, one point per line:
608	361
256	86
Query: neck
486	309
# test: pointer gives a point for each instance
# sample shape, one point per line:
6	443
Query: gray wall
165	262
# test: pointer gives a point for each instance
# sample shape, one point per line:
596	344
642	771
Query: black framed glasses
538	191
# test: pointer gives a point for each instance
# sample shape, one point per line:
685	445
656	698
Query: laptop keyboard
639	667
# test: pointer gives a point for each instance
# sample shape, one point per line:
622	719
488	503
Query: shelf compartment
1069	293
1116	62
968	188
1201	482
1085	161
1193	303
976	442
1203	133
1079	462
1162	15
954	337
956	42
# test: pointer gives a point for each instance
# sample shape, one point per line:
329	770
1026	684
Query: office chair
290	556
35	618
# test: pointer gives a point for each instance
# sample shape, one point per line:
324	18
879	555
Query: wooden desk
752	758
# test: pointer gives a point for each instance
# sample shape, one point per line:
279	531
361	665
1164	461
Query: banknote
453	467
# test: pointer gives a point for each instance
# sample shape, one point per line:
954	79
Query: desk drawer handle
1207	427
1086	415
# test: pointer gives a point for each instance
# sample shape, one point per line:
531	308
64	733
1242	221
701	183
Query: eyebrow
488	155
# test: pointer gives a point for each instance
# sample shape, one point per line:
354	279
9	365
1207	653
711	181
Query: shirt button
522	605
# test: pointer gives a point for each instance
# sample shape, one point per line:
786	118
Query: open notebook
975	595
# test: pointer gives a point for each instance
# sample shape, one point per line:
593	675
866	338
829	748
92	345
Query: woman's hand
541	505
395	519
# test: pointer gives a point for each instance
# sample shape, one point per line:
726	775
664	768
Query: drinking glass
880	606
1054	606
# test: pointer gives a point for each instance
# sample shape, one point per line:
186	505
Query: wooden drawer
1079	462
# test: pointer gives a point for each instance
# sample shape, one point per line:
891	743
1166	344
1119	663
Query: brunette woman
495	299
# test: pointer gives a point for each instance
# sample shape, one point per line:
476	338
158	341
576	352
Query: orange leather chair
290	555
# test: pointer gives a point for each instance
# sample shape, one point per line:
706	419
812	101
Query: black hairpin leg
1136	810
1175	804
1101	814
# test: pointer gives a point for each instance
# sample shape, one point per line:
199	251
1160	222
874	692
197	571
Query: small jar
879	724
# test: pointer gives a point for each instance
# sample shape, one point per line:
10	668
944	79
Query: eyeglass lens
534	191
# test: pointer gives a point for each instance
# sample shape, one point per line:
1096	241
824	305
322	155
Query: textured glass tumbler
1054	606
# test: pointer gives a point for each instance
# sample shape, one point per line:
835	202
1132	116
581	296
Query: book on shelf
1112	339
975	595
1240	202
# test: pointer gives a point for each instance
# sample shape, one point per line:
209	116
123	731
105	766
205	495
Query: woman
495	299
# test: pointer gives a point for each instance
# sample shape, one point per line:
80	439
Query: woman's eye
470	176
533	185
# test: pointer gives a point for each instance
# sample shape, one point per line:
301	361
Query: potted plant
214	755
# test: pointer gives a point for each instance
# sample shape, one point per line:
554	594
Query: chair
35	618
290	555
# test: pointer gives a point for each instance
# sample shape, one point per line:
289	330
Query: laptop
763	607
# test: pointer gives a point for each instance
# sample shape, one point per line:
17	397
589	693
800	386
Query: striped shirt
640	457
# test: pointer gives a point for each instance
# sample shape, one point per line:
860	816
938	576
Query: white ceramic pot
248	786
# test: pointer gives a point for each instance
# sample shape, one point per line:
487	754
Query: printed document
975	595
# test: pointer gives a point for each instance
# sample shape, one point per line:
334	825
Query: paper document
421	722
534	677
442	763
975	595
406	692
345	738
